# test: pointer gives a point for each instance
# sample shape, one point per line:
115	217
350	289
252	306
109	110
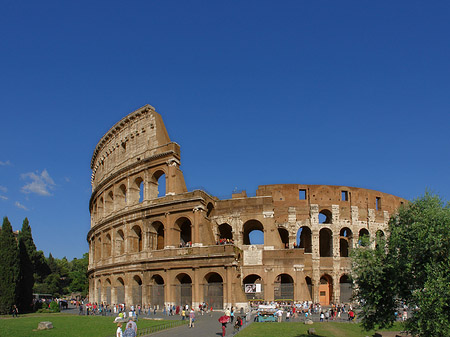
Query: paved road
205	326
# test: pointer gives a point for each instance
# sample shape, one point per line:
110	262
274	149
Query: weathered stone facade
153	242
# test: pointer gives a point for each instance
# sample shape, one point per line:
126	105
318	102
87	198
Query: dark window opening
344	195
301	194
378	203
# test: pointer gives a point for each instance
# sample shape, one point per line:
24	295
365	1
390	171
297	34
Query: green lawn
64	325
297	329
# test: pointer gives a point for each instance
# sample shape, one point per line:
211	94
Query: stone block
45	325
309	322
311	331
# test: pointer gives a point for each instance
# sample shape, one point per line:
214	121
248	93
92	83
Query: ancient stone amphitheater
153	242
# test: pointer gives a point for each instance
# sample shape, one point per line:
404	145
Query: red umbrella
224	319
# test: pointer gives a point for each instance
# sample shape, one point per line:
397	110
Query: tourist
224	327
15	311
183	314
129	331
119	330
191	318
133	324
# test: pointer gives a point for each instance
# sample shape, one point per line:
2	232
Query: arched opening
213	290
183	289
120	242
225	233
380	239
159	184
136	290
157	291
100	208
345	284
309	285
139	184
325	216
108	290
156	235
99	291
98	249
364	237
284	288
253	287
325	289
284	236
109	202
136	239
122	195
304	239
184	227
345	242
253	233
107	246
209	209
120	291
325	242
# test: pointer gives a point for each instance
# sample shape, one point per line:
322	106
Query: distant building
153	242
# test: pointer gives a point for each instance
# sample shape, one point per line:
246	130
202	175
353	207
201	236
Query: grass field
330	329
64	325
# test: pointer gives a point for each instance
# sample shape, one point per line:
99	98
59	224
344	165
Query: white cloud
40	184
3	189
19	205
3	197
5	163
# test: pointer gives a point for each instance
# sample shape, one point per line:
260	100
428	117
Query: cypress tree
27	252
9	267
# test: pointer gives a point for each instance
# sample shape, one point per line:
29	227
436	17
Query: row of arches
283	289
129	192
303	237
117	242
117	291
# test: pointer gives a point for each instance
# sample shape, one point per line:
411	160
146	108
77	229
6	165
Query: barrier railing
152	329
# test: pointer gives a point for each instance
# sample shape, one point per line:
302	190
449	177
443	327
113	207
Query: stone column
228	299
171	178
195	234
269	282
197	295
128	290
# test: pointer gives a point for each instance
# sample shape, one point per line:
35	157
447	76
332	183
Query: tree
27	252
9	267
411	267
78	275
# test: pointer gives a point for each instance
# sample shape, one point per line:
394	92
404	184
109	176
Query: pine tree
9	267
27	253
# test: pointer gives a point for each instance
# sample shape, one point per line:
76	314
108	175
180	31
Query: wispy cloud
3	189
3	197
40	184
19	205
5	163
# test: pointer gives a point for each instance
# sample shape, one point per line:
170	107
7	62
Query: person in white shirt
119	330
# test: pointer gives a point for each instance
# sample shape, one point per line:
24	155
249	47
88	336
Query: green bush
54	307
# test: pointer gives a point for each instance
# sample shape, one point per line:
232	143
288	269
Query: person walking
119	330
191	318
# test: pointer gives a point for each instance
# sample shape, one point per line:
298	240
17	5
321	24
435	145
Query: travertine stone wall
152	246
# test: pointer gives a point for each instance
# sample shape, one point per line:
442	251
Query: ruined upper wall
283	199
139	135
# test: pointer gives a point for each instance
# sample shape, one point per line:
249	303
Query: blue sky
352	93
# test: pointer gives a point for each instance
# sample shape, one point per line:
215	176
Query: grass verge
298	329
64	325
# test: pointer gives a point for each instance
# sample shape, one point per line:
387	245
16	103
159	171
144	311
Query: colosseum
153	242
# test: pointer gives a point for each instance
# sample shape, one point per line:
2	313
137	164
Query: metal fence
156	328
